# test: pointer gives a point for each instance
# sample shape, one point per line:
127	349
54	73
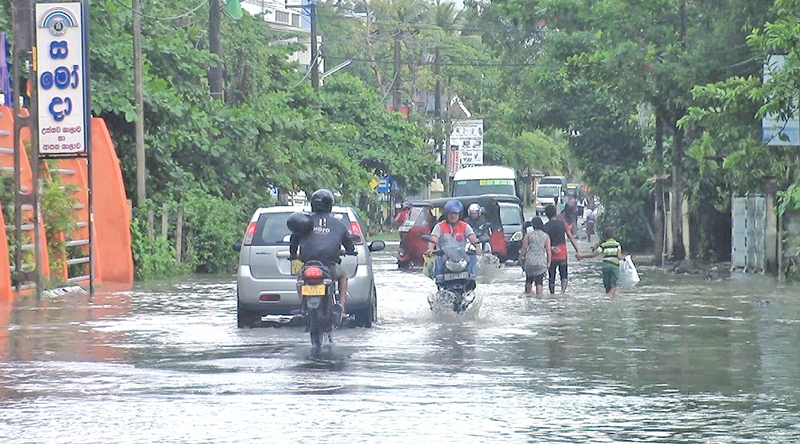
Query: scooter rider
453	229
480	226
324	240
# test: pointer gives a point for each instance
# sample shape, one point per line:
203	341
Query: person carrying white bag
611	251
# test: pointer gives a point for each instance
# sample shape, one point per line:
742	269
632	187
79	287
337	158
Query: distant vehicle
266	289
485	179
547	194
554	180
513	221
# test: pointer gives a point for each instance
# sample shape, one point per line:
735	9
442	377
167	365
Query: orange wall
112	219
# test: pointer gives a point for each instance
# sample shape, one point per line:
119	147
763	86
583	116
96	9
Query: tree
607	72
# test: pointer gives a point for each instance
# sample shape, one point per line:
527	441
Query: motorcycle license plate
312	290
451	276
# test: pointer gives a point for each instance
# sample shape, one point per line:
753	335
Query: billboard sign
467	141
62	84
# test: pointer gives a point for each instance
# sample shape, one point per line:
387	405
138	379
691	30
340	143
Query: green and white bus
484	179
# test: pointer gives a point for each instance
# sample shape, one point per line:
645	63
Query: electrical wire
389	89
468	63
312	66
142	14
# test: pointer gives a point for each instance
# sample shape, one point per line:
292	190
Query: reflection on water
675	359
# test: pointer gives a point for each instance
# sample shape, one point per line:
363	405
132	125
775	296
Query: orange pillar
112	219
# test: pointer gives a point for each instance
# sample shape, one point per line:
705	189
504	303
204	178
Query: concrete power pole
437	110
215	73
396	93
138	92
315	56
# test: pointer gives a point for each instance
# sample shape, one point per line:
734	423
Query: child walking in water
612	254
535	256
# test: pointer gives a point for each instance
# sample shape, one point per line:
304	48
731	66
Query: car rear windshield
271	228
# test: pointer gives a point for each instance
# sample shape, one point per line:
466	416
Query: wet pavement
677	359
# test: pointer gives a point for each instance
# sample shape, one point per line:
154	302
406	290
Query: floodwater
677	359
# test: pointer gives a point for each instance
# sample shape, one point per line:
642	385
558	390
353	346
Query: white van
485	179
548	194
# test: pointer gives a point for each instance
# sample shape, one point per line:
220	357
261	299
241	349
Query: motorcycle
455	285
316	286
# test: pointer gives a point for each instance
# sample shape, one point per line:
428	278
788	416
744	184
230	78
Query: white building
292	19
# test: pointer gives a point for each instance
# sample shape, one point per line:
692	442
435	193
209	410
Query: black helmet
322	201
300	223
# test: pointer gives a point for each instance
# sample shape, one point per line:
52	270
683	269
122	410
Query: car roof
295	208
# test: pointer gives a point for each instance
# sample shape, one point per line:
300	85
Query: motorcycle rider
324	240
453	229
481	227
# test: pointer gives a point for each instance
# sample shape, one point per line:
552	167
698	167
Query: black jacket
324	241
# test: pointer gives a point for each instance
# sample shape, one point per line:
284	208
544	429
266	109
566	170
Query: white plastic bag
628	276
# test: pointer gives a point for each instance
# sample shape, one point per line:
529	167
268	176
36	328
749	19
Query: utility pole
396	93
215	73
437	109
141	171
22	56
315	56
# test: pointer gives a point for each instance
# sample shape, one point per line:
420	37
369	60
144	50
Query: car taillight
248	235
355	228
313	272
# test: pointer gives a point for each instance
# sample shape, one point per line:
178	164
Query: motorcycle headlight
516	237
456	266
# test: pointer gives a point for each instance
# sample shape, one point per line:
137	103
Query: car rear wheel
244	318
366	316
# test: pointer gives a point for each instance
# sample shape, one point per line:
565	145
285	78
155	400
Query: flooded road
677	359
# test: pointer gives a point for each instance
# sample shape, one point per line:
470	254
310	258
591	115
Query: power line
470	63
187	13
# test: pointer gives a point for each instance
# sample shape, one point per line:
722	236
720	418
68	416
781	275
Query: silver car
266	290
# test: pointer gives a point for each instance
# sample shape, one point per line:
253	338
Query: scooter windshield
453	249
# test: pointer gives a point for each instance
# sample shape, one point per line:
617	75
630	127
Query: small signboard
384	185
62	84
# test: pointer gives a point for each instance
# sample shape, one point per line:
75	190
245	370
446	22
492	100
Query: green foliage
58	214
151	261
215	224
272	129
789	199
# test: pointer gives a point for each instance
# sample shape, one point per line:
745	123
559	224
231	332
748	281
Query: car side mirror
377	245
237	246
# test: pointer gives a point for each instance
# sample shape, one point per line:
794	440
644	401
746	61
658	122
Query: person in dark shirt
558	232
481	227
325	239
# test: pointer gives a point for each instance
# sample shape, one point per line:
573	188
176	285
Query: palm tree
446	16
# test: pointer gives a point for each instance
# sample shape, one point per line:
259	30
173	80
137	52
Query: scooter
455	285
316	286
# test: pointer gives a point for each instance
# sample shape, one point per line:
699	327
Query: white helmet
474	208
